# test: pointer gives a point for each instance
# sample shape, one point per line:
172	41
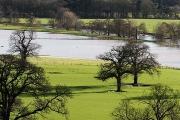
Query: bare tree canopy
116	66
132	58
17	80
141	59
21	42
162	104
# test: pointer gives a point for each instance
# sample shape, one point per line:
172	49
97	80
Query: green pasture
92	98
150	24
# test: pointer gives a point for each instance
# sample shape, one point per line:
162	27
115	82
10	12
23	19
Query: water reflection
87	49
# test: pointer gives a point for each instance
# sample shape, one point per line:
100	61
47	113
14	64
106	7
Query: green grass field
91	99
150	24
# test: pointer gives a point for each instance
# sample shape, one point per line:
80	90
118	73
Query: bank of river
82	47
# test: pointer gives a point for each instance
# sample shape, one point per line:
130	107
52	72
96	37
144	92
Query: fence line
90	38
93	64
66	63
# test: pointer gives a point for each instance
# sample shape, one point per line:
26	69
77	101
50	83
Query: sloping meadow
92	98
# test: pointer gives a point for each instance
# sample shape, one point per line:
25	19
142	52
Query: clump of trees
64	19
121	28
19	77
168	30
132	58
161	103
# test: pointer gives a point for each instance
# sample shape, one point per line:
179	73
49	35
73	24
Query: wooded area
93	8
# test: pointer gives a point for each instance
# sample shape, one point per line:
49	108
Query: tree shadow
90	89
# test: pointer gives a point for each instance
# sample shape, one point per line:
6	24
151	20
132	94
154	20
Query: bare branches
161	103
132	58
21	42
17	78
117	66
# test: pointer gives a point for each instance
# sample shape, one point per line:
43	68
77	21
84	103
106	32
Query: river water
82	47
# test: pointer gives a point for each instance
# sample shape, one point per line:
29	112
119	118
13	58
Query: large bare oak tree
116	65
18	79
22	42
131	58
141	59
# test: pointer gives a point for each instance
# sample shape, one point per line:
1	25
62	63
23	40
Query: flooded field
82	47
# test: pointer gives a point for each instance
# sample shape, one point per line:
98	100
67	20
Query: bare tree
116	65
130	29
162	104
108	26
79	24
98	26
118	27
141	59
21	42
126	111
160	31
19	79
30	20
68	20
173	31
52	20
141	29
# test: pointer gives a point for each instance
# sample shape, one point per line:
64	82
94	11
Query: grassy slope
91	100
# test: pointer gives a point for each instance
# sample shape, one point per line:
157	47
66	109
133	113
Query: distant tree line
93	8
119	27
168	30
124	8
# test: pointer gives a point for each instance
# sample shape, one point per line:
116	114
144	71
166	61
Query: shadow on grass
83	90
91	89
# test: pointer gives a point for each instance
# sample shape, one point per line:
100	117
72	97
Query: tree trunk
5	116
135	79
119	89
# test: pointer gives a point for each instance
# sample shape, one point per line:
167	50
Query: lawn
94	99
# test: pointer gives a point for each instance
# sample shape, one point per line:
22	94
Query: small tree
1	13
17	79
160	31
126	111
68	20
162	104
52	20
141	59
108	26
21	42
30	20
118	27
98	26
141	29
116	65
79	24
173	31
